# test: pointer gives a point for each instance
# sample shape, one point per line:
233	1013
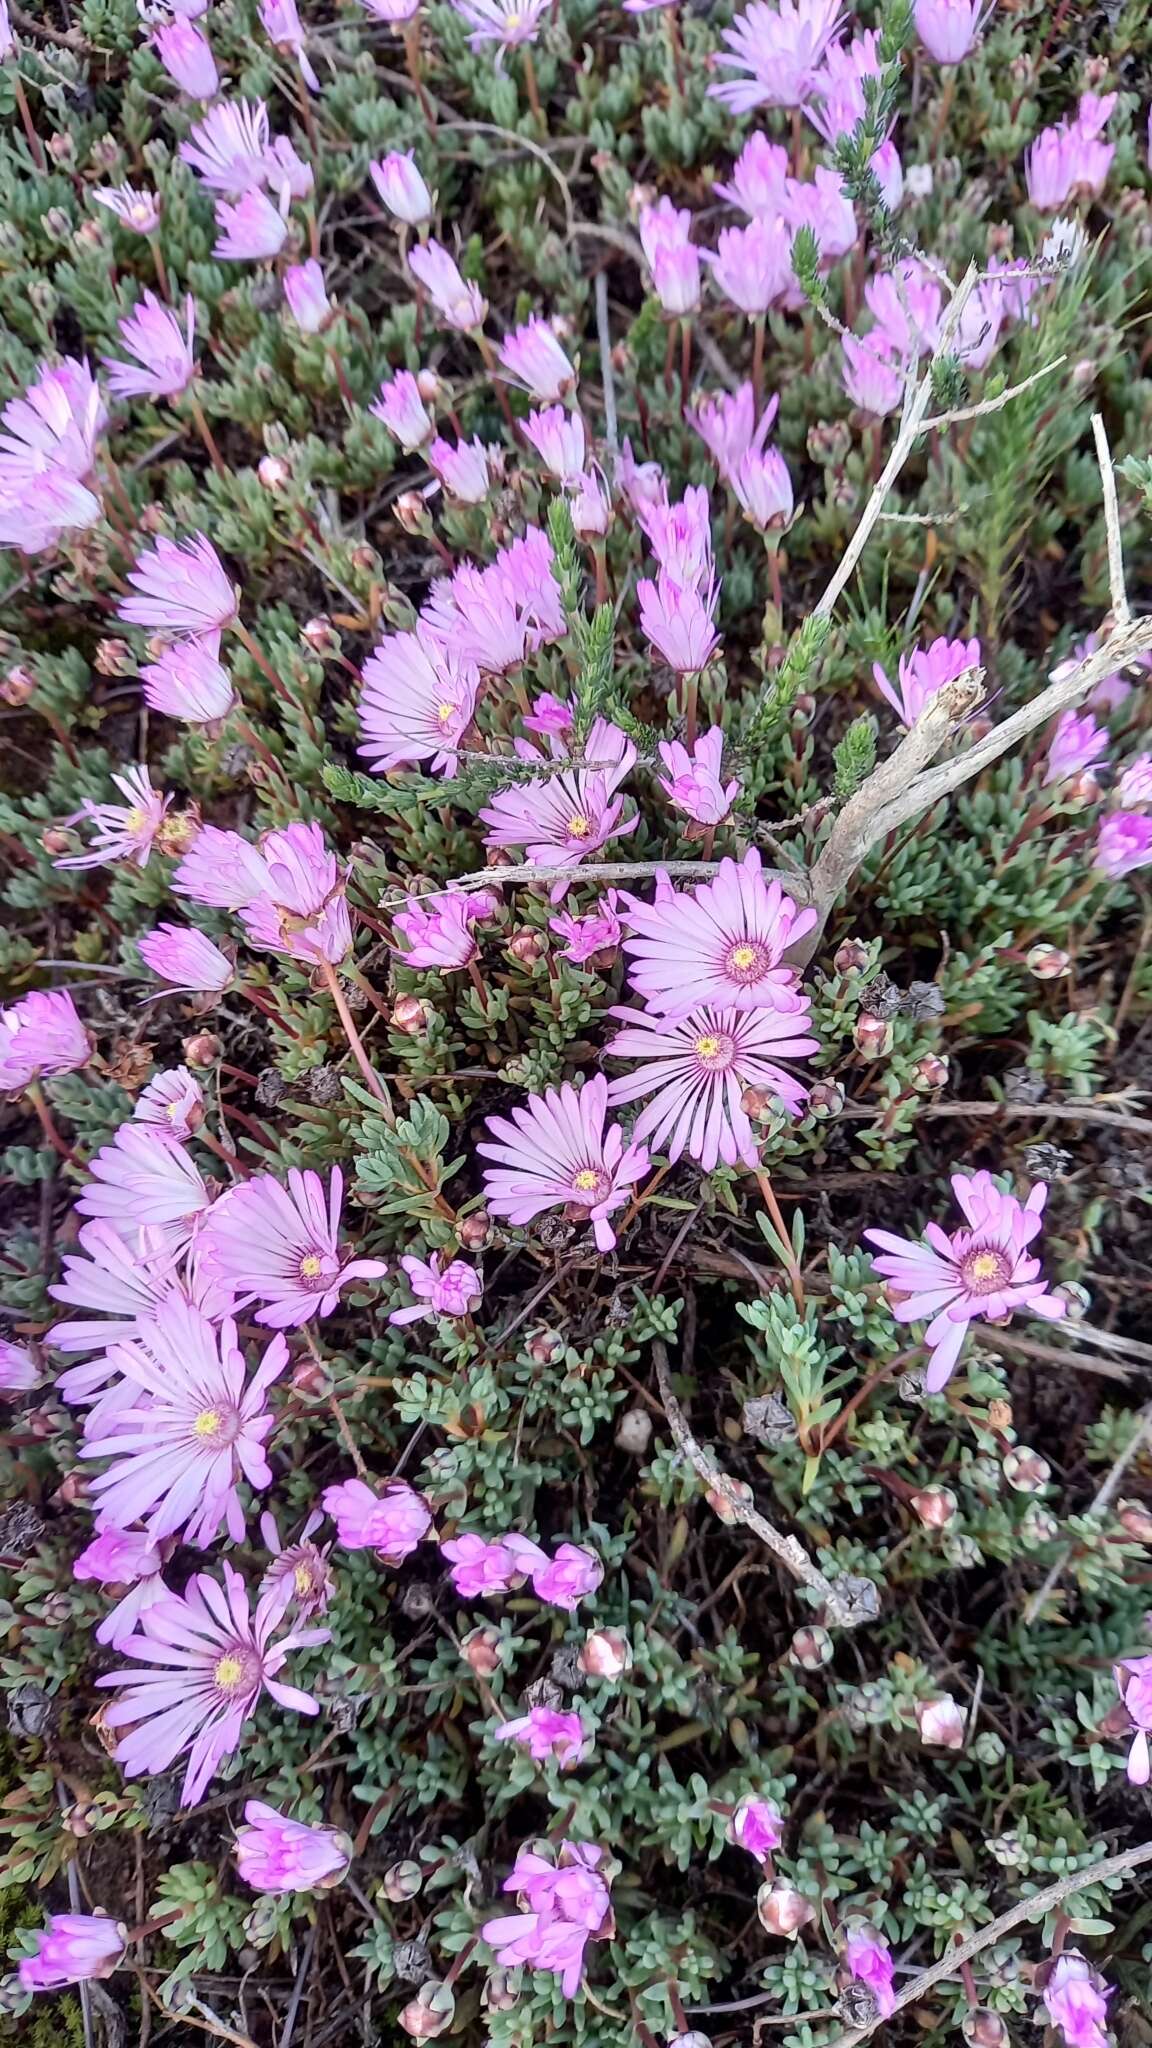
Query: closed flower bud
274	472
935	1506
692	2040
1025	1470
311	1378
430	2013
320	635
500	1993
872	1036
402	1881
114	658
941	1722
428	384
850	958
605	1653
474	1230
759	1104
1135	1520
1077	1299
782	1909
53	840
411	511
203	1049
930	1072
481	1651
17	686
1083	788
983	2028
544	1346
411	1014
634	1432
825	1099
811	1648
527	947
79	1820
1047	963
73	1489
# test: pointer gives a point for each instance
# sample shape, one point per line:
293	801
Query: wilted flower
778	48
123	831
696	1071
280	1246
535	360
417	701
868	1959
545	1733
722	941
73	1948
454	1291
308	301
137	210
555	1151
566	1905
923	672
756	1825
41	1034
1123	844
276	1854
1135	784
300	909
187	57
174	1101
252	229
392	1523
186	958
459	304
189	681
398	181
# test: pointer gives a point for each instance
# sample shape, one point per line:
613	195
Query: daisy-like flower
197	1426
299	1568
590	505
400	404
454	1291
41	1034
679	621
558	438
726	423
205	1661
1134	788
680	536
417	702
465	471
145	1180
228	148
280	20
19	1372
762	486
306	297
174	1102
1070	159
111	1277
696	1070
535	360
186	958
221	869
923	672
693	783
439	932
507	23
560	821
137	210
752	265
393	1523
56	423
302	910
165	364
280	1246
671	256
565	1906
1123	844
496	617
556	1151
186	55
546	1734
73	1948
278	1855
252	228
758	178
597	933
122	831
721	942
129	1558
189	681
460	305
872	378
400	184
906	305
1076	744
949	28
984	1271
778	48
183	587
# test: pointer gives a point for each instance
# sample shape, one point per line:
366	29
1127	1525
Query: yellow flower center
578	826
586	1179
743	956
207	1423
444	712
715	1050
134	820
707	1048
228	1672
303	1579
985	1266
309	1267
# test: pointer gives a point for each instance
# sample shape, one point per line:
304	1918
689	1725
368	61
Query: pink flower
441	935
252	229
1076	744
905	304
728	427
778	49
558	438
123	1558
276	1854
1076	2001
506	23
721	942
228	149
679	621
680	536
753	264
279	1246
1134	1679
590	504
301	1568
308	302
665	236
642	483
184	588
186	958
145	1180
197	1426
868	1960
302	911
870	377
756	1825
137	210
763	488
555	1151
41	1034
941	1723
392	11
454	1292
838	100
417	702
280	21
948	28
46	452
72	1948
478	1567
599	931
1069	160
923	672
19	1372
1123	844
984	1271
494	618
566	1905
560	821
398	181
549	714
545	1734
187	57
123	831
391	1523
535	360
560	1581
1135	784
162	348
401	407
174	1101
460	305
758	178
206	1659
701	1066
465	471
824	206
113	1278
189	681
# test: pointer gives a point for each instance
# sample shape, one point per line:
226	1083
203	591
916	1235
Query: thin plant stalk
371	1078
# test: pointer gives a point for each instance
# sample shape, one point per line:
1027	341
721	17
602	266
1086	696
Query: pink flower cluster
48	458
1071	160
480	1566
564	1905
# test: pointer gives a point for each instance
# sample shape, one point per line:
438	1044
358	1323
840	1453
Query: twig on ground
987	405
1068	1112
1116	586
289	2026
1139	1438
607	380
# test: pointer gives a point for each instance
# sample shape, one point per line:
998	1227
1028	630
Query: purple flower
137	210
280	21
127	1558
460	305
665	236
417	702
560	1581
465	471
535	360
187	57
301	911
439	930
1076	744
1076	2001
838	99
753	265
19	1372
300	1567
556	1152
186	958
400	185
763	488
756	1825
598	932
565	1905
72	1948
123	831
923	672
1070	160
162	348
758	178
1123	844
506	23
308	301
905	304
174	1101
41	1034
276	1854
701	1066
206	1659
545	1734
679	621
680	536
549	714
728	427
824	206
778	49
478	1567
110	1277
1134	1679
985	1271
183	588
868	1960
694	783
721	942
400	404
948	28
392	1523
47	451
455	1291
590	504
228	149
494	618
1135	785
560	821
252	229
279	1246
558	438
189	681
145	1180
872	380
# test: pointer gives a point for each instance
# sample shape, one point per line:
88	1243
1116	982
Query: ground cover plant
576	805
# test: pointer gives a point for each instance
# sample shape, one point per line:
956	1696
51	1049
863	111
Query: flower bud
782	1909
930	1072
411	1015
941	1722
274	472
310	1376
500	1993
411	511
692	2040
634	1432
114	658
430	2013
850	958
53	840
108	1738
79	1820
811	1648
401	1882
961	1551
1047	963
760	1105
481	1651
321	636
935	1506
605	1653
17	686
721	1503
428	384
872	1036
1083	788
72	1490
825	1099
203	1049
474	1230
1038	1527
1135	1520
1078	1299
983	2028
544	1346
527	947
1025	1470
